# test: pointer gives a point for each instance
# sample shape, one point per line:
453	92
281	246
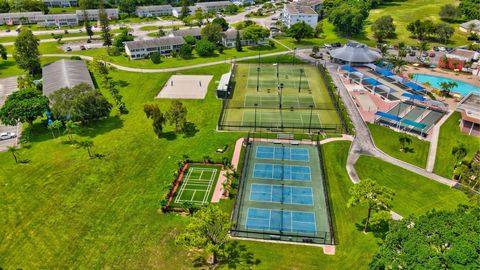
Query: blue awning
372	81
389	116
348	68
414	86
385	72
413	123
412	96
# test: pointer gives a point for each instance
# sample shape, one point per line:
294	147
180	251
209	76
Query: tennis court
295	99
282	153
281	220
281	194
197	185
282	172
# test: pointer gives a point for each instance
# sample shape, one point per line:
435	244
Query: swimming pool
463	88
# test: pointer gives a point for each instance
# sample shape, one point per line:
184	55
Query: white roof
65	73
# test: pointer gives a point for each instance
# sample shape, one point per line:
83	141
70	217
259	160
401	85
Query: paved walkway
432	152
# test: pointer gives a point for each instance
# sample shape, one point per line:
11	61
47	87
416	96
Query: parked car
473	38
82	47
412	53
328	46
449	49
436	49
8	30
432	54
68	49
424	54
442	49
7	135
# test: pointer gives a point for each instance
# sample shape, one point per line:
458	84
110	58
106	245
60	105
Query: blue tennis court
281	194
281	220
282	153
282	172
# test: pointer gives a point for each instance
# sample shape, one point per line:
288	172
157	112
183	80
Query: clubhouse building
64	73
354	54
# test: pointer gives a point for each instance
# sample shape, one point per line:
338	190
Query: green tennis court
262	118
197	184
267	101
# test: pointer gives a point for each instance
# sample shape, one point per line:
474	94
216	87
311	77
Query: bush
156	58
205	48
75	57
113	51
271	43
185	51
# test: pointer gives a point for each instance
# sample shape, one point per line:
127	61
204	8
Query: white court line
209	187
184	184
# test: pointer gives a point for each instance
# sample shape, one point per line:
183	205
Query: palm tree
87	145
70	127
459	152
447	87
423	47
13	149
404	140
397	63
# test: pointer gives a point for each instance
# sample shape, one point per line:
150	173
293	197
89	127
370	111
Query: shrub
156	58
205	48
113	51
75	57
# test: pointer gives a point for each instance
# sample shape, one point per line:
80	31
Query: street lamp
310	122
258	77
300	82
281	94
255	123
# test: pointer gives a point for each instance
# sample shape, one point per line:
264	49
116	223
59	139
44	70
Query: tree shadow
379	230
101	126
410	150
122	83
170	135
237	256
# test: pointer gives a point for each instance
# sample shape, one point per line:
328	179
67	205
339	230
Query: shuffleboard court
281	220
282	172
281	194
197	185
282	153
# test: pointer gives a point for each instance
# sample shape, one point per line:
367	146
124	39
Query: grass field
414	194
9	67
198	184
450	136
387	141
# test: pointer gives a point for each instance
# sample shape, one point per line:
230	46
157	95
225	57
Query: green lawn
49	36
414	194
387	141
56	10
404	12
450	136
9	67
149	27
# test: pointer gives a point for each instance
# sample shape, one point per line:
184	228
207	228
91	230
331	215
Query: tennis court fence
318	237
286	105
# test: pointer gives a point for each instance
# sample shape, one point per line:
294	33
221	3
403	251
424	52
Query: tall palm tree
423	47
87	145
13	149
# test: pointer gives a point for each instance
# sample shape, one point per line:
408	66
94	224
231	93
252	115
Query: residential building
194	32
60	3
471	26
177	11
463	55
64	73
52	20
143	48
469	107
230	38
294	13
217	6
154	11
19	18
92	14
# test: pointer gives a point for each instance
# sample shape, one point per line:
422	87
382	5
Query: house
177	11
64	73
92	14
294	13
217	6
19	18
463	55
194	32
230	37
469	107
60	3
51	20
143	48
472	26
154	11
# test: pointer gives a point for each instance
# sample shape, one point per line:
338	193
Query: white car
7	135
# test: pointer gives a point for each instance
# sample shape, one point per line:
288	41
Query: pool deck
464	77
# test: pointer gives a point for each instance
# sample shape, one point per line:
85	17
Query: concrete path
160	70
432	152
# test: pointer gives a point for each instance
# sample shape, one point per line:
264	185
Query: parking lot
7	86
77	45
